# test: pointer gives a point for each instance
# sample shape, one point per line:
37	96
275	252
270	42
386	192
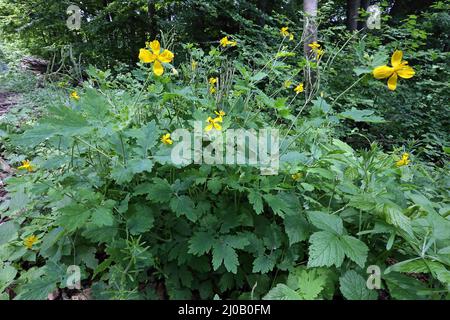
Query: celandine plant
99	188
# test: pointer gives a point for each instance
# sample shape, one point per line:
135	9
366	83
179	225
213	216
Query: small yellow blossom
284	31
403	161
155	56
299	88
220	113
26	165
29	241
319	53
297	176
213	84
399	69
224	42
291	37
194	65
314	46
214	123
166	139
74	95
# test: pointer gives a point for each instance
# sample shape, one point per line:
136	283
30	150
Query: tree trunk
309	36
310	25
352	14
151	13
364	6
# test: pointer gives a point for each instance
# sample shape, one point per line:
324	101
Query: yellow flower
299	88
29	241
284	31
213	80
166	139
194	65
213	83
399	69
155	56
220	113
225	42
319	53
403	161
291	37
213	123
297	176
74	95
314	46
26	165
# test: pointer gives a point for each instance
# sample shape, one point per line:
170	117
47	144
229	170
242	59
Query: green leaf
140	165
365	115
310	283
325	250
282	292
8	232
200	243
73	217
255	200
214	185
140	219
102	216
183	205
160	191
326	222
353	287
222	252
296	228
7	275
355	249
264	263
416	266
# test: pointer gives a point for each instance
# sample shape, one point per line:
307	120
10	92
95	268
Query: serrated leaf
255	200
73	217
282	292
7	275
326	222
140	219
264	263
296	228
8	232
160	191
355	249
102	216
183	205
325	250
200	243
222	252
353	287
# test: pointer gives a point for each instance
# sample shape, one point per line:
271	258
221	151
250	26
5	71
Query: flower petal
166	56
146	56
208	127
382	72
158	68
406	72
155	46
392	82
397	57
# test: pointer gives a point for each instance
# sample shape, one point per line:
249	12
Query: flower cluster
213	82
316	48
285	33
215	123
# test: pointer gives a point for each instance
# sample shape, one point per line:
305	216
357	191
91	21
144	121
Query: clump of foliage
96	188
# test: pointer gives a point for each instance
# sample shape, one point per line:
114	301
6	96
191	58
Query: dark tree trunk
152	27
352	14
364	6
